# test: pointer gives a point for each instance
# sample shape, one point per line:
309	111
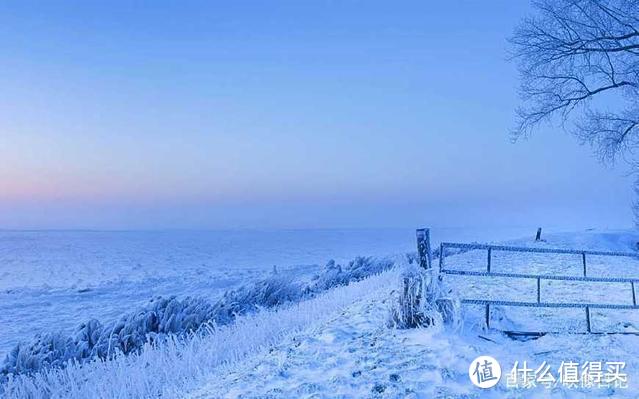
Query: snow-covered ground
54	280
339	344
356	355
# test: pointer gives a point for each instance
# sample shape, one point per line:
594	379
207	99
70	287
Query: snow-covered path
355	355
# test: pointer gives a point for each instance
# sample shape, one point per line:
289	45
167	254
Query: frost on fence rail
538	277
537	250
543	276
549	304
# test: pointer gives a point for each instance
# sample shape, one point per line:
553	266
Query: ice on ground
64	278
76	260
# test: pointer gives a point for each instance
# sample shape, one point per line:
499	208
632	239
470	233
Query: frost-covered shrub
334	275
161	316
362	267
176	364
411	257
166	317
420	302
270	292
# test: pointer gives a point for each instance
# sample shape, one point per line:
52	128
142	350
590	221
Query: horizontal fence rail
537	250
505	248
544	276
549	304
538	277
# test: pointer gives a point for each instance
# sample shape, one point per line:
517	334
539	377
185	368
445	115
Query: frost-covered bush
165	317
270	292
420	302
161	316
335	275
411	257
176	365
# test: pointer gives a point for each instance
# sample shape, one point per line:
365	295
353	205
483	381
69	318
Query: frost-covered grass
164	317
167	367
420	301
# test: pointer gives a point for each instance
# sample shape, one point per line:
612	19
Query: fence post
489	256
441	257
487	315
538	290
634	298
423	248
583	258
588	318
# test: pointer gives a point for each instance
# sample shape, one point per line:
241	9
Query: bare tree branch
574	57
579	64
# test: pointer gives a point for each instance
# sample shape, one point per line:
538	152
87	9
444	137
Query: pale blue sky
279	114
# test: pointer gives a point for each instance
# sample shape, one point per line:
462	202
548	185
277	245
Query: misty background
279	115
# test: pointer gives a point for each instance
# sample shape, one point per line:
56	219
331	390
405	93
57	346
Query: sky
280	114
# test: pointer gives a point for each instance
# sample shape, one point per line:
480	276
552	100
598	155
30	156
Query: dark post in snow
423	248
538	236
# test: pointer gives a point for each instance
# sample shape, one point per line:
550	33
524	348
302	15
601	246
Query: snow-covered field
337	344
54	280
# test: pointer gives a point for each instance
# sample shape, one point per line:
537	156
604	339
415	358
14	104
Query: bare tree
579	63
